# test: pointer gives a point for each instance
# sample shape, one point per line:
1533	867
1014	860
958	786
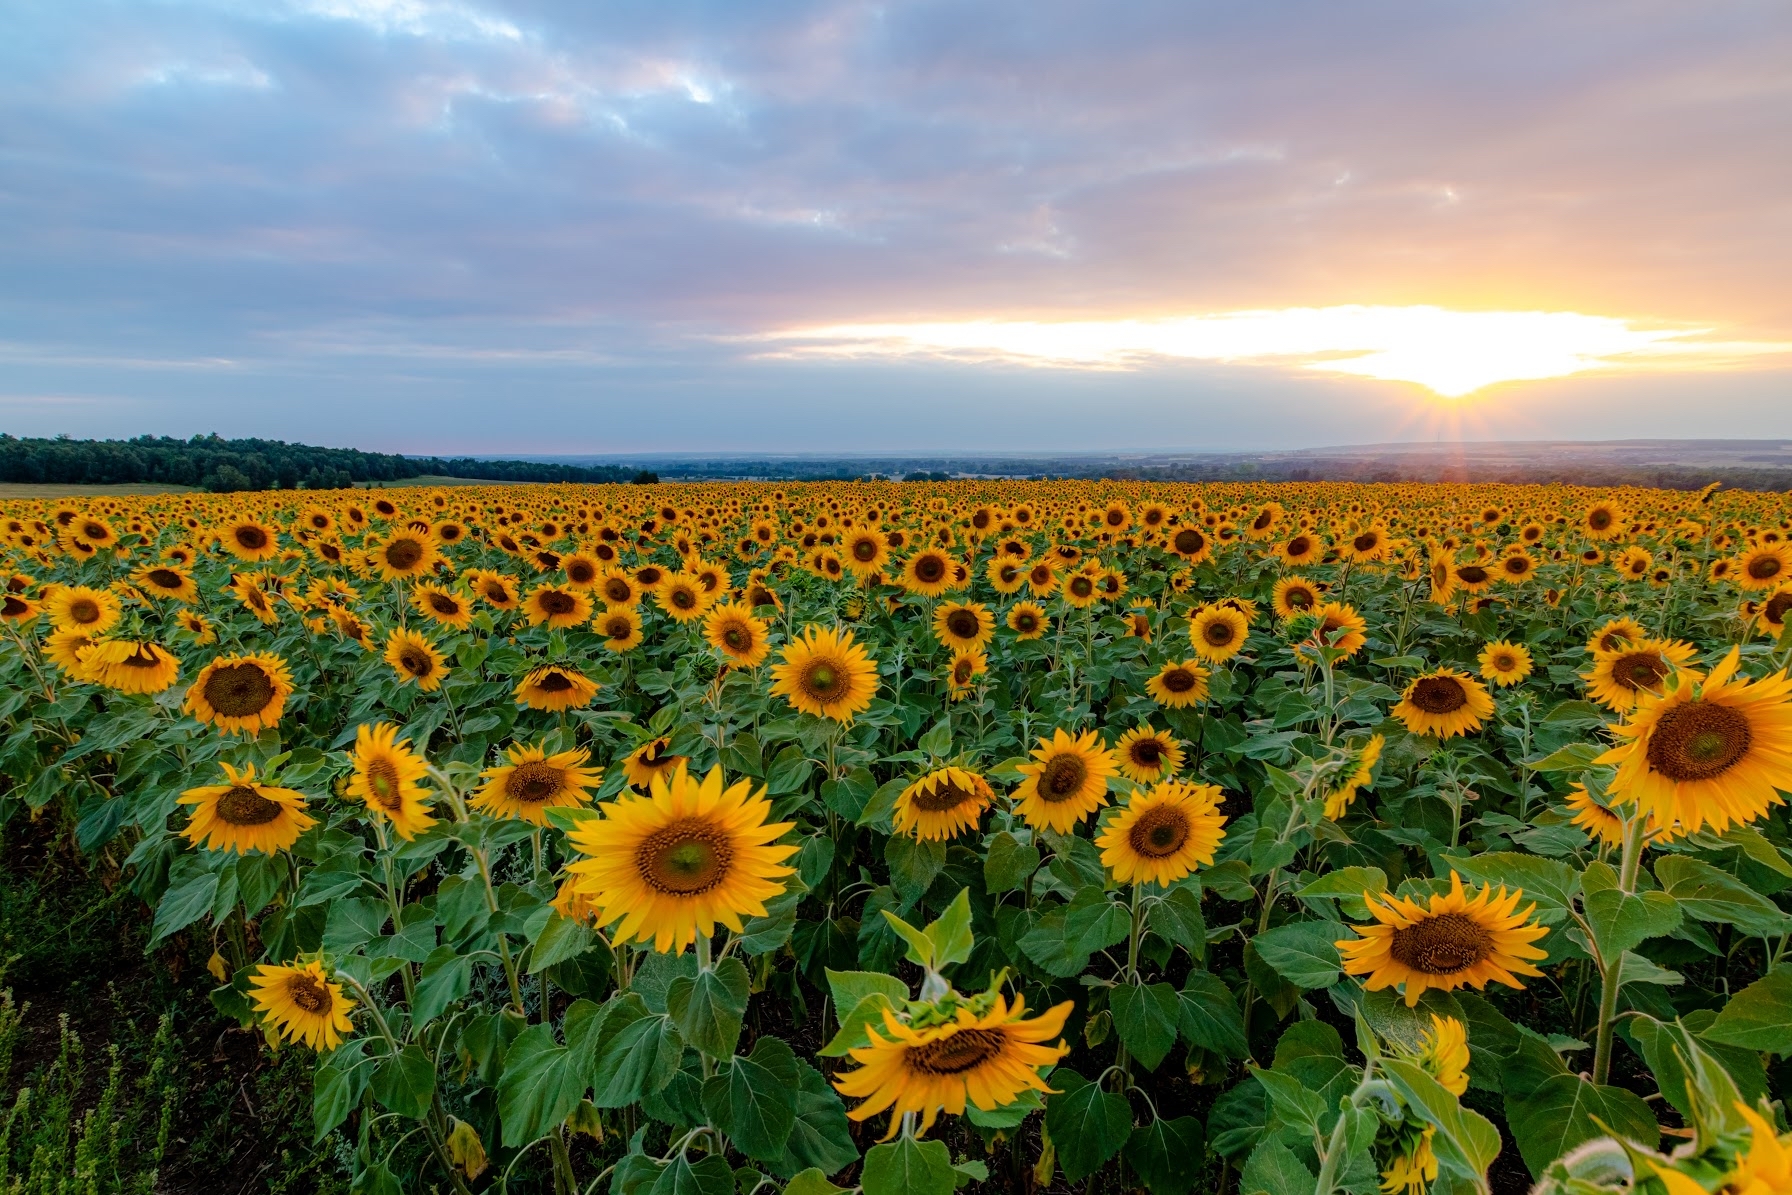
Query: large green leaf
821	1137
1623	920
1177	919
405	1082
1209	1016
908	1167
1303	952
753	1099
1273	1169
1008	863
1550	884
1087	1125
543	1081
1708	894
1145	1017
1463	1135
447	976
1759	1017
708	1175
341	1077
1564	1110
636	1052
1166	1154
708	1007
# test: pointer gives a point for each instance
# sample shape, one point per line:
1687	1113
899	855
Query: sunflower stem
1635	823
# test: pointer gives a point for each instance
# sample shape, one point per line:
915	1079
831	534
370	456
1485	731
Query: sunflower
78	608
1301	549
1607	826
1162	834
988	1060
557	606
534	782
963	624
1770	615
18	608
243	816
1456	941
1295	595
1763	566
1471	577
1443	1053
1359	771
68	649
1614	633
1766	1169
1068	782
928	573
1413	1167
166	580
496	590
620	626
823	672
302	1004
238	692
249	540
1603	521
1178	685
443	606
414	659
248	590
1336	617
671	865
1190	543
555	687
682	597
1081	590
649	760
1028	620
404	553
385	778
1444	702
1707	751
1146	756
617	587
131	665
583	571
968	663
866	551
731	629
1620	678
942	804
1505	663
1218	632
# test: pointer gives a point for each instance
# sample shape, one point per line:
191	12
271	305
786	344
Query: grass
11	489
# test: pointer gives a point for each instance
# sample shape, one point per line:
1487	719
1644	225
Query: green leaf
708	1175
1295	1105
1145	1016
1093	922
185	902
812	1182
1759	1017
1177	920
405	1082
1166	1154
1388	1015
908	1167
561	938
1347	881
914	863
542	1081
1008	864
752	1099
938	739
1754	844
1273	1169
869	1011
1303	952
849	987
447	976
1690	1078
1575	757
352	924
1634	968
821	1137
920	946
762	935
1088	1125
337	1085
951	933
1209	1016
1622	920
637	1053
708	1008
1463	1135
1708	894
1552	885
1565	1110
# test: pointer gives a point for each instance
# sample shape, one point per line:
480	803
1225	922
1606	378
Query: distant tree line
227	466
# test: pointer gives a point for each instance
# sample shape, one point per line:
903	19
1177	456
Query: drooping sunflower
166	580
928	573
1639	667
534	782
732	629
620	627
1457	941
1444	702
249	540
1358	772
1443	1052
671	865
1146	756
302	1004
1178	685
1764	566
968	663
1163	833
1295	595
443	606
78	608
385	778
557	606
244	693
1614	633
942	804
682	597
1708	751
1218	632
1607	826
404	553
987	1060
1340	626
415	660
1028	620
1068	781
1412	1167
555	687
825	673
648	760
1504	663
131	665
1764	1169
68	649
963	624
244	817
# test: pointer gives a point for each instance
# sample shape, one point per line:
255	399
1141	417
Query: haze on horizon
516	226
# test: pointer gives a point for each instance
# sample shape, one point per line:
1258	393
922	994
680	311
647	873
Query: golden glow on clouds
1451	353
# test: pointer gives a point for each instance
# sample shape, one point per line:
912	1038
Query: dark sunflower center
963	624
1025	622
1189	541
947	795
1159	832
165	578
1439	695
1517	565
1218	633
534	781
441	603
1599	520
864	550
1081	586
686	858
737	637
1504	663
310	995
15	606
1063	778
1147	753
383	782
961	671
1179	680
822	680
415	662
618	627
243	806
964	1051
1763	567
1441	945
1262	521
1472	574
239	690
84	610
1298	599
554	682
1777	605
144	656
1699	741
404	553
930	569
1364	543
1639	670
556	603
581	572
617	590
253	538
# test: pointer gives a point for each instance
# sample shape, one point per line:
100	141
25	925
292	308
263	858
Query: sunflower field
904	838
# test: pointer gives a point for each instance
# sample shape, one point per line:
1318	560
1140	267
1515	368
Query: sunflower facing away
1357	774
1765	1169
1504	663
555	687
1444	703
1613	633
1178	685
732	629
673	864
534	782
241	693
245	817
1146	756
1218	632
385	777
1706	752
415	659
942	804
1163	833
987	1060
1636	669
1456	941
302	1004
1068	782
648	760
823	672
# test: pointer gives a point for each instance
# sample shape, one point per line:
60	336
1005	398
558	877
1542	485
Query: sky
523	227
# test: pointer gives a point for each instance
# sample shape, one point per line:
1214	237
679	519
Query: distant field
22	490
433	479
